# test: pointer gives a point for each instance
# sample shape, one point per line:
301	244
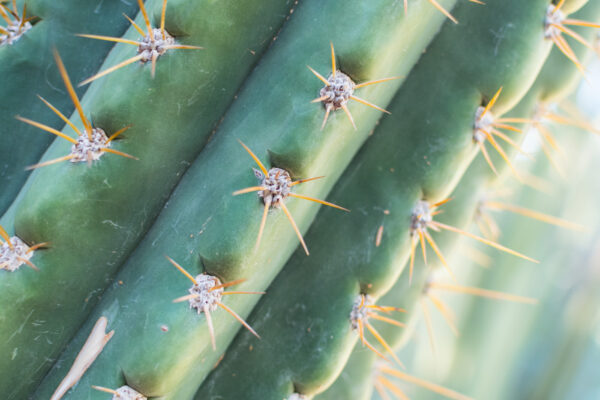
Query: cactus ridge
344	277
100	229
554	82
218	241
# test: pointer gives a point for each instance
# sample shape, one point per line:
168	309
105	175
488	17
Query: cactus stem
152	45
205	296
122	393
359	318
451	394
89	352
274	189
339	88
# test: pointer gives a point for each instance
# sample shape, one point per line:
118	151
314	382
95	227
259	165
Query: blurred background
509	350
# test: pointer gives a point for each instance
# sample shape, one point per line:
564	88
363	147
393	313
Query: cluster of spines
16	25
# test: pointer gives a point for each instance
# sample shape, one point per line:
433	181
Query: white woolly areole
11	258
14	32
277	183
481	124
340	88
298	396
127	393
359	310
553	17
90	150
149	48
421	217
205	299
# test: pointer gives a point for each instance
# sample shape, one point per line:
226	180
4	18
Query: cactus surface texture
298	199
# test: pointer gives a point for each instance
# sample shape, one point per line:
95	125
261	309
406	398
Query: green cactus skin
556	80
220	229
87	212
24	66
425	147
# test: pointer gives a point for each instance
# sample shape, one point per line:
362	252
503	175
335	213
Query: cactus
387	116
556	80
